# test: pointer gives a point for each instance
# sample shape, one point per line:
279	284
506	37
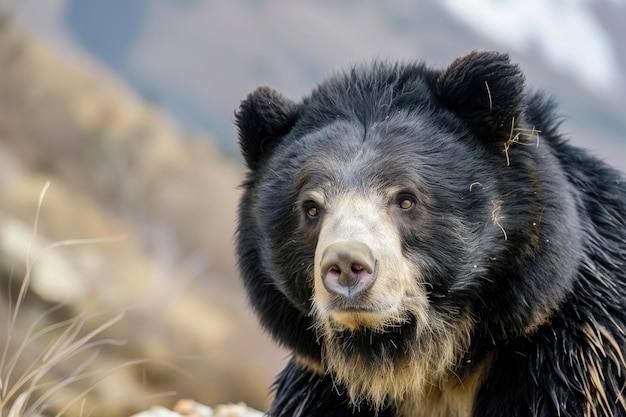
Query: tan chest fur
455	398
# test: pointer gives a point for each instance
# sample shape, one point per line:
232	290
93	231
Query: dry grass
474	184
520	136
489	96
33	390
495	217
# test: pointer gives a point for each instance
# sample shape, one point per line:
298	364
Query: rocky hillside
198	59
133	298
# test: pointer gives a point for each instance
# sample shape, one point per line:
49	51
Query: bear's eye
406	204
312	212
311	208
406	201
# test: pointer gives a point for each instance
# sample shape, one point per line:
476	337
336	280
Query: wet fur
518	248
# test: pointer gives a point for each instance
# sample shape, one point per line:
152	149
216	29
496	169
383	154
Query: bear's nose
348	268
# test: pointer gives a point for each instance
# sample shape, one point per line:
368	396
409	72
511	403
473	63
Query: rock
190	408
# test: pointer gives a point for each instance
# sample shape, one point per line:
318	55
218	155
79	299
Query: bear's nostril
336	269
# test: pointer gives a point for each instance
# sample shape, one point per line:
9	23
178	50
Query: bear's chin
372	339
354	350
388	362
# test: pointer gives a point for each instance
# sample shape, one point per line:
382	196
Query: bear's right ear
486	90
262	119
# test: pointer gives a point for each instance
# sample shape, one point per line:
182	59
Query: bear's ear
486	90
262	119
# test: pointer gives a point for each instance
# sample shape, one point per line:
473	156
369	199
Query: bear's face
386	216
380	233
361	210
377	227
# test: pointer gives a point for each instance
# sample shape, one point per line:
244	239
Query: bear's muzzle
348	269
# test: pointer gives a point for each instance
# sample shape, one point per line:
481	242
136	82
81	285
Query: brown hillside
116	168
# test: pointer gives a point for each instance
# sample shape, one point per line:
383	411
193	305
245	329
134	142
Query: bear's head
400	218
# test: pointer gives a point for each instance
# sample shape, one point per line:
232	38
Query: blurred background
126	108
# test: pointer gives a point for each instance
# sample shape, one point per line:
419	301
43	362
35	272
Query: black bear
427	244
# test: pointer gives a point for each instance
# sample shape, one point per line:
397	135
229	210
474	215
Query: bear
427	243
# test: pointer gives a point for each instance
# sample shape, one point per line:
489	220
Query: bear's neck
453	397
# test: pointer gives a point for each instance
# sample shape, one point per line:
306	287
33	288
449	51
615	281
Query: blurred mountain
138	218
198	59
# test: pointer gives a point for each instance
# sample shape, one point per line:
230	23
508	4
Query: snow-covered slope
567	34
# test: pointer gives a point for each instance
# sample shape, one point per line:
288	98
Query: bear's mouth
345	306
353	317
358	305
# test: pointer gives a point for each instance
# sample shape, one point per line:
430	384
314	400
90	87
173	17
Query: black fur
545	286
489	107
305	393
262	119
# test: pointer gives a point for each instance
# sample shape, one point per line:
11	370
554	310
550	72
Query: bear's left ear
262	119
486	90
